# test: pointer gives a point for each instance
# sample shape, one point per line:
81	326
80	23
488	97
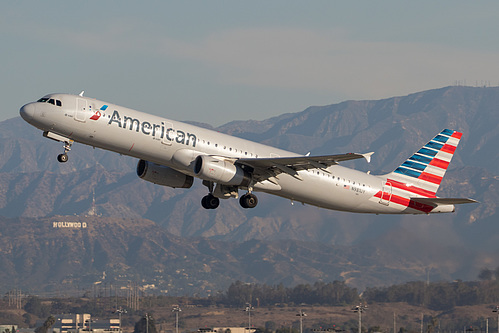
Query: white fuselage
176	145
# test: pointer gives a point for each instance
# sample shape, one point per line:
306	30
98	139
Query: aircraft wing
264	168
443	201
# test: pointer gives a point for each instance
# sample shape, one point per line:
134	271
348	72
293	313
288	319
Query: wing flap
272	166
306	162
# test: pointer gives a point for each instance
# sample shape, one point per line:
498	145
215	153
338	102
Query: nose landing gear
63	158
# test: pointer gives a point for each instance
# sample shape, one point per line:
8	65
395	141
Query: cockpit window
51	101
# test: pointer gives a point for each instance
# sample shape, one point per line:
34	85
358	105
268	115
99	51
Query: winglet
367	156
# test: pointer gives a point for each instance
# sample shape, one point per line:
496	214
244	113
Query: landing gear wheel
249	200
210	202
62	158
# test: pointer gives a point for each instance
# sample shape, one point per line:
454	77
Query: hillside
66	253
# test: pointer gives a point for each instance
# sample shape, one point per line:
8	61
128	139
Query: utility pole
248	309
120	311
496	309
301	315
360	308
394	324
176	309
422	319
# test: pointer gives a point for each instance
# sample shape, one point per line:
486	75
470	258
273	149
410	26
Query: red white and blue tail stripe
422	173
413	186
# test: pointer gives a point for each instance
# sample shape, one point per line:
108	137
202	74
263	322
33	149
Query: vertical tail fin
422	173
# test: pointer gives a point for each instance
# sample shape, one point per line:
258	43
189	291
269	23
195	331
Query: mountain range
163	237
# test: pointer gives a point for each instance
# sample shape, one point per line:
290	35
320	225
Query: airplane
173	153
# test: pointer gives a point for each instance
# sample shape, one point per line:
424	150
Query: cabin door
386	194
81	110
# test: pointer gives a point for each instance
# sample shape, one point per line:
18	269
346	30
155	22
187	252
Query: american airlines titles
155	130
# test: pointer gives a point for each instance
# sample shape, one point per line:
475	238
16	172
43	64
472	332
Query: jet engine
163	175
220	171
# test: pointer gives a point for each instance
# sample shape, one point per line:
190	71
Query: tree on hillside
485	274
34	306
432	325
332	293
146	324
49	322
375	329
286	330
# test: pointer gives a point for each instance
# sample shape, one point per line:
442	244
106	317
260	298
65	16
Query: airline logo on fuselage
160	131
97	114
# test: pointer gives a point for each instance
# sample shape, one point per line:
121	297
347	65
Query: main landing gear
210	201
248	200
63	158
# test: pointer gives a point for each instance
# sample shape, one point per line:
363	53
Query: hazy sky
218	61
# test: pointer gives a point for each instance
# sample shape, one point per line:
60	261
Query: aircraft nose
27	112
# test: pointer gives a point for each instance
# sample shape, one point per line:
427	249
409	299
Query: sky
219	61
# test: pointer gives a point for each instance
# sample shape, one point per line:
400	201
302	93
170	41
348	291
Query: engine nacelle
163	175
220	171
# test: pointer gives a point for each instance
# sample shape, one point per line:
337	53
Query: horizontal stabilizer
443	201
